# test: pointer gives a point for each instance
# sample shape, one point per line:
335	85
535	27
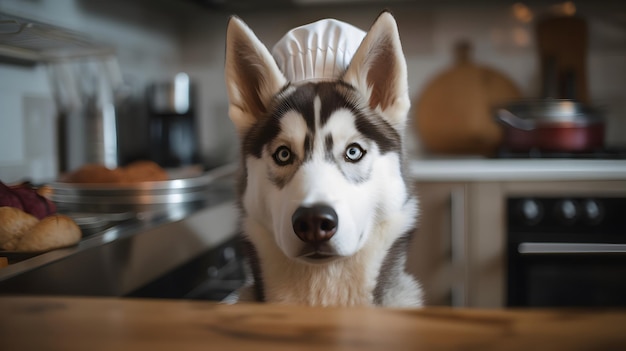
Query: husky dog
325	209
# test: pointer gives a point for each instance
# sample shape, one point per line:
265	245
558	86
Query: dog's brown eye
354	152
282	156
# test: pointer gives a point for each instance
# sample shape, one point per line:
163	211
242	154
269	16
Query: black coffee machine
172	123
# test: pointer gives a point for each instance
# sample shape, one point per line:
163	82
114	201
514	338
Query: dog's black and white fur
325	208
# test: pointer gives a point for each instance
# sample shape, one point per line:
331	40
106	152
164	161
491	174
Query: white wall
155	40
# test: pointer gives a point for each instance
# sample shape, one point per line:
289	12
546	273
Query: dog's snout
315	224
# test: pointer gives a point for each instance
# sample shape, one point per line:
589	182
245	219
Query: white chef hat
317	51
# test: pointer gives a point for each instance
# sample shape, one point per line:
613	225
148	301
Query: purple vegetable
26	198
8	198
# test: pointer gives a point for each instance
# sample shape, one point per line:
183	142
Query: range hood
26	41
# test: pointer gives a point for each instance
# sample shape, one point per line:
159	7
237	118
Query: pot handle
511	119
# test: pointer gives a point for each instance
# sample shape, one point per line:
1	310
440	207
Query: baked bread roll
13	224
52	232
94	173
138	171
20	231
144	171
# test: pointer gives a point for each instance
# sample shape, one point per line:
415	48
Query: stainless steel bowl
140	197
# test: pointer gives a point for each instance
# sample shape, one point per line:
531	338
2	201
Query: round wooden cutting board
454	115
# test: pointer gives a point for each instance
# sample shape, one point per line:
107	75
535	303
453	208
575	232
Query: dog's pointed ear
378	70
252	76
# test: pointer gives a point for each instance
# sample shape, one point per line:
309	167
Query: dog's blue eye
354	152
282	156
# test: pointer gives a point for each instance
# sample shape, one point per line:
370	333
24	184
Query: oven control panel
554	215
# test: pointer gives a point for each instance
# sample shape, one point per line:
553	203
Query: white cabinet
438	254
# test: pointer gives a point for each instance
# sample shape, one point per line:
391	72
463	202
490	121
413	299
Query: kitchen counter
53	323
515	169
129	257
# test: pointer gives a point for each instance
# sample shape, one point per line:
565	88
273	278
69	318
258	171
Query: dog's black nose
315	224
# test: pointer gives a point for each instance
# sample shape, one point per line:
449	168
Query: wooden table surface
60	323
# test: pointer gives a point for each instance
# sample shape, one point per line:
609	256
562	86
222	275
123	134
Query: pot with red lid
556	125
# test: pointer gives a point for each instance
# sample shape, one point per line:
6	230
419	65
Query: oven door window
560	280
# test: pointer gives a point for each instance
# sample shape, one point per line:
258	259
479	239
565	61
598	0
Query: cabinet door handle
457	246
457	225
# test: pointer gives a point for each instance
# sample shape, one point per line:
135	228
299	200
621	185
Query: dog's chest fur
348	282
352	281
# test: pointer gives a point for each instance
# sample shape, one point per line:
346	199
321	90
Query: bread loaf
20	231
28	221
13	224
52	232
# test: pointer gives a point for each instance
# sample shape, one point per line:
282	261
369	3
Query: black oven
565	252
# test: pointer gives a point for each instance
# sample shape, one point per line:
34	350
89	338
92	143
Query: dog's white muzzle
321	214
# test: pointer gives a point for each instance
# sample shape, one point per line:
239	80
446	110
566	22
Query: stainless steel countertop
120	259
